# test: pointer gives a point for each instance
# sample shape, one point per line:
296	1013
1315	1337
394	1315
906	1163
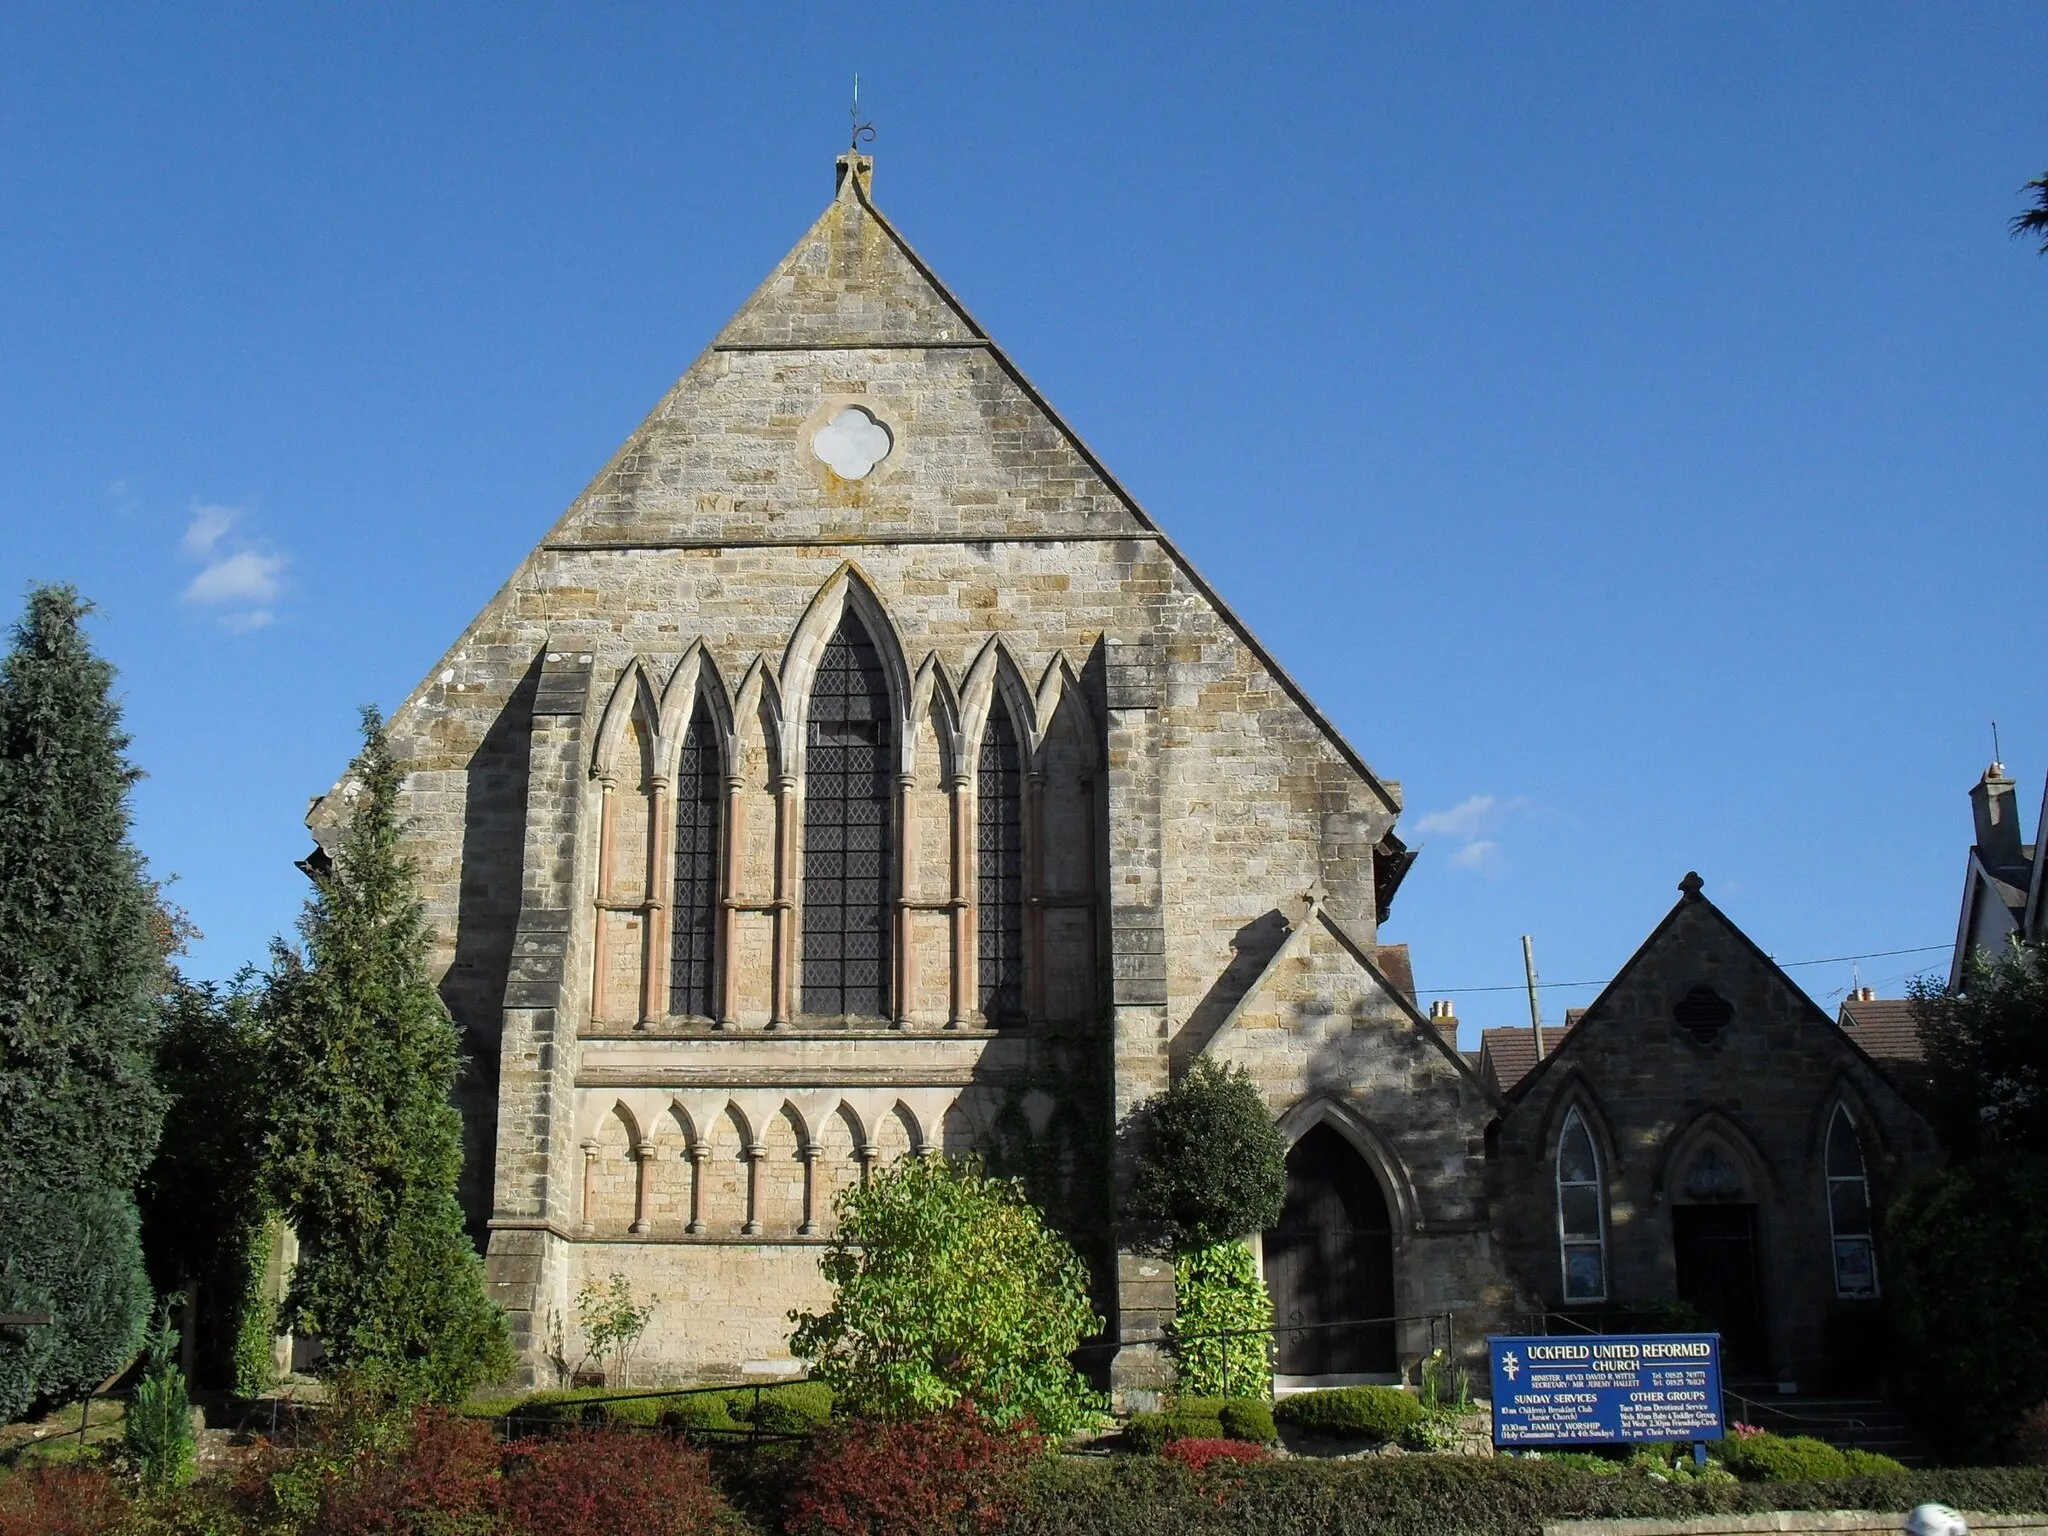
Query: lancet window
693	910
1000	873
847	795
1581	1230
1849	1209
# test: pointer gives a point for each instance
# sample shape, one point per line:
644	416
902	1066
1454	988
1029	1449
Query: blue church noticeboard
1606	1387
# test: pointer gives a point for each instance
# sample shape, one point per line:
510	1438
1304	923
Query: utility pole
1535	1008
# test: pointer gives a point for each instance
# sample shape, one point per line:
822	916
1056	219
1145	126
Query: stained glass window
693	927
1000	893
846	832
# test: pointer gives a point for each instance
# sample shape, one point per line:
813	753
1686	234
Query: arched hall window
1000	879
1849	1209
1581	1232
694	910
846	831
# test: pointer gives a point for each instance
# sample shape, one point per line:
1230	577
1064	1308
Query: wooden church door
1715	1246
1331	1260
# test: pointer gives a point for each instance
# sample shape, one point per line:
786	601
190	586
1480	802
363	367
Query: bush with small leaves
608	1480
1368	1413
953	1472
1198	1455
1766	1458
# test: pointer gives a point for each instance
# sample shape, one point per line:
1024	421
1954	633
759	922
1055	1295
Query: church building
856	771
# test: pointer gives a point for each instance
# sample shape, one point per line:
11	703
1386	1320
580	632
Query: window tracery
1849	1209
999	866
847	814
693	933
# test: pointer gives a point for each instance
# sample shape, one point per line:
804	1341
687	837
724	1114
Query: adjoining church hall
856	770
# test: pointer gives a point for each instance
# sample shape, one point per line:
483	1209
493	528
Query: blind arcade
1623	1387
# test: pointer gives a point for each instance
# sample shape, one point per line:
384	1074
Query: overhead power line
1552	986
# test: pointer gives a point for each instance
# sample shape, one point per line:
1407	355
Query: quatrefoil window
852	443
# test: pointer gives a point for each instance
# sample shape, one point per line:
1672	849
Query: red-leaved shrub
61	1501
606	1480
1197	1454
437	1478
950	1472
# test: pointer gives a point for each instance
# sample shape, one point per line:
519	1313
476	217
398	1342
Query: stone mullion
661	836
752	1157
728	907
906	842
601	924
589	1222
783	965
963	868
810	1223
1034	894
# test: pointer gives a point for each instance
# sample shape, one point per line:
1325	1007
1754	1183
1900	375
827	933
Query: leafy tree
2032	223
203	1205
1217	1290
84	945
947	1286
1212	1165
366	1147
1987	1051
1966	1265
612	1321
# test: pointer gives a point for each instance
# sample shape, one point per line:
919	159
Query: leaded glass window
846	831
693	912
1582	1235
1849	1210
1000	883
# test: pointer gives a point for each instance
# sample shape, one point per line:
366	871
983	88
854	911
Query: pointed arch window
1849	1209
693	913
1581	1201
999	893
846	831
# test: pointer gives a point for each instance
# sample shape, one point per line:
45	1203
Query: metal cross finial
861	131
1996	755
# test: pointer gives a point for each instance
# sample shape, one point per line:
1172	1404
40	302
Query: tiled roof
1395	965
1884	1027
1507	1056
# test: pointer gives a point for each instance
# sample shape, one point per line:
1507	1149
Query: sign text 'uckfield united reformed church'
1553	1391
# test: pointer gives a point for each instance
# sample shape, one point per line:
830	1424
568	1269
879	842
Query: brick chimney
1995	805
1443	1014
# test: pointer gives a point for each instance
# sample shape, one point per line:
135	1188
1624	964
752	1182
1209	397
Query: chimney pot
1443	1014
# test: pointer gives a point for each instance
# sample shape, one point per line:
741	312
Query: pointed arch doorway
1331	1261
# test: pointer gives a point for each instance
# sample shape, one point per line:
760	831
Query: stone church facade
856	771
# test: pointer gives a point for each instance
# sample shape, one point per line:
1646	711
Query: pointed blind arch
1849	1208
847	813
999	894
694	908
1581	1227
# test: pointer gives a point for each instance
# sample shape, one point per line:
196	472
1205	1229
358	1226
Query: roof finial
862	132
1997	757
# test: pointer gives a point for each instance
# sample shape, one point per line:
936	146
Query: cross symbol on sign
1510	1366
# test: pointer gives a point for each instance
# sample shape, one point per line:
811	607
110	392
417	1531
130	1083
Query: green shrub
1212	1164
157	1429
699	1410
1871	1464
1431	1495
1217	1290
1151	1433
77	1255
948	1286
1372	1413
1768	1458
1247	1418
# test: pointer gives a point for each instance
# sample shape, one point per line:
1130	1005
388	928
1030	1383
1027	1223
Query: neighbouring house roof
1884	1027
1508	1055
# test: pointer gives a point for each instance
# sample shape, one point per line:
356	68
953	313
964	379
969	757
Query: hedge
1200	1418
1446	1496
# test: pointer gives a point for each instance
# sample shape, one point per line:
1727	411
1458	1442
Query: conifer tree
367	1146
83	973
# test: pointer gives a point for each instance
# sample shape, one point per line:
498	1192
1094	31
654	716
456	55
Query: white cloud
247	576
1471	815
208	526
238	577
1475	855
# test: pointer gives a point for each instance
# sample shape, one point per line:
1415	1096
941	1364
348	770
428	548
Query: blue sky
1624	419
